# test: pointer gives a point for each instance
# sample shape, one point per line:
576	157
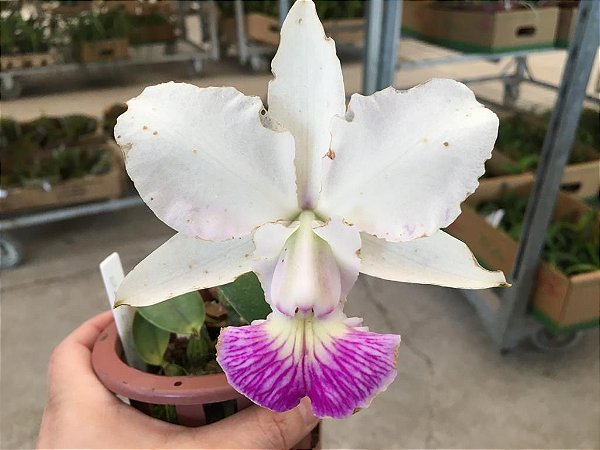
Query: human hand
82	413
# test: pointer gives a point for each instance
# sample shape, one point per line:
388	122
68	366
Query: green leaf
150	342
173	370
183	314
197	350
246	297
167	413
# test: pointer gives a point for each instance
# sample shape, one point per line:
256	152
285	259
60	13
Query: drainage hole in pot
178	383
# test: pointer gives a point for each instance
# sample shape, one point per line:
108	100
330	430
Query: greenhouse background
496	368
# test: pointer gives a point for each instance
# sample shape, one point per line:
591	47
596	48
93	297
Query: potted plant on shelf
305	195
520	138
150	28
342	20
23	42
99	36
53	161
566	294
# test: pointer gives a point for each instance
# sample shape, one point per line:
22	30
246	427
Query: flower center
307	277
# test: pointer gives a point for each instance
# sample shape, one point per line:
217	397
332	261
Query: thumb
257	427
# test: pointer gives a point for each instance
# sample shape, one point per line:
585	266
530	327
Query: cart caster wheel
10	88
10	253
259	63
547	341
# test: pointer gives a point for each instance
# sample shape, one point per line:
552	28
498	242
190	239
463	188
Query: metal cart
11	253
504	311
258	56
184	49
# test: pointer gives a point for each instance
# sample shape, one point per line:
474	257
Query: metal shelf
206	12
10	248
188	51
504	312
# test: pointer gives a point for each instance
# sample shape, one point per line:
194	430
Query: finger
87	333
70	368
257	427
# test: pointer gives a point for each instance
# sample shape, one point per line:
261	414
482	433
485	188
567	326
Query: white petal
306	266
269	241
308	90
438	259
405	160
345	244
205	160
184	264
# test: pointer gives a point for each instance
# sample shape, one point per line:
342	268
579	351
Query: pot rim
134	384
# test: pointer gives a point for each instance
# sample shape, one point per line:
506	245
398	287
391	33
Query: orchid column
306	195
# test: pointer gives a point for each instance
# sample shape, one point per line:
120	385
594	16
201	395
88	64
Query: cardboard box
77	190
108	50
24	61
416	17
562	302
264	29
474	28
567	20
581	179
148	34
259	28
346	31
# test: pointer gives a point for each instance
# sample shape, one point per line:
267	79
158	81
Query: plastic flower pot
190	395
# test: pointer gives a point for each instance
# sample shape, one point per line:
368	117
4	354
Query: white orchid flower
306	195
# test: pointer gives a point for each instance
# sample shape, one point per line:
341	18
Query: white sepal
439	259
184	264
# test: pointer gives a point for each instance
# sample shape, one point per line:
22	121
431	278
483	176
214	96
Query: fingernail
306	411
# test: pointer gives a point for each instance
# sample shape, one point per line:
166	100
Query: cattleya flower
306	194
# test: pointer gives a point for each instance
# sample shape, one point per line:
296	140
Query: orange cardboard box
476	28
558	299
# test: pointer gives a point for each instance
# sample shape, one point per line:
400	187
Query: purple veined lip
339	367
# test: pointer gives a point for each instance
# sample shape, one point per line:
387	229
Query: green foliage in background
572	243
92	26
149	19
521	137
45	150
111	114
327	9
588	131
18	36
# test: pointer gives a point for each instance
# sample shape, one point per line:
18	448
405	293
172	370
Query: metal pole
555	152
213	30
388	50
69	213
181	9
284	7
374	13
240	24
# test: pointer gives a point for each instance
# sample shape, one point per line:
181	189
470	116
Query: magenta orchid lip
306	194
338	366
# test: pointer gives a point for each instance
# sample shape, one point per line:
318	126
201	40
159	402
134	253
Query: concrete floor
453	389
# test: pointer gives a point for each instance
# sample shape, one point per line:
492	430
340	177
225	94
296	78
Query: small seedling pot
190	395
